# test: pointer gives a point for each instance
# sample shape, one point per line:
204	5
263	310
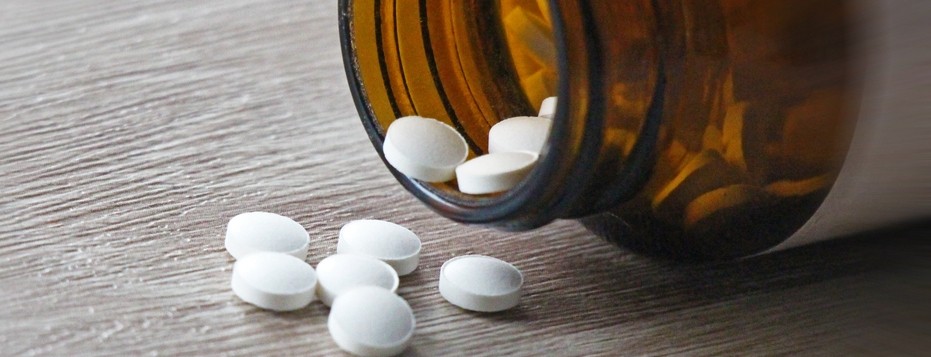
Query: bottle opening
469	64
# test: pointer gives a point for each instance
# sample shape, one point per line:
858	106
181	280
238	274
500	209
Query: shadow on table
865	293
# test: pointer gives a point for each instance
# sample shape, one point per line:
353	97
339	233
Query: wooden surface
130	132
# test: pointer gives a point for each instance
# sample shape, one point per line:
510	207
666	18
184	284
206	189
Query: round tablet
423	148
548	108
519	134
341	272
480	283
494	172
371	321
386	241
274	281
252	232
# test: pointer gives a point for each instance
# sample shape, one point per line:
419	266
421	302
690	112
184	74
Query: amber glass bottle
688	129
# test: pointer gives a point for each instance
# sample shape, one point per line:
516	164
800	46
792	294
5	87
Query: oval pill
371	321
341	272
519	134
252	232
480	283
274	281
425	149
548	108
495	172
386	241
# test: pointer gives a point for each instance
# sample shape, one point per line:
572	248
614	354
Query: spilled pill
519	134
480	283
495	172
371	321
386	241
423	148
341	272
274	281
253	232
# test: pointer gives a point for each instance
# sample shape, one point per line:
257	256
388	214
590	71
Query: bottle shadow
844	288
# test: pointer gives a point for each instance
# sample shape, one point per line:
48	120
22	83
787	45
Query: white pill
253	232
386	241
341	272
425	149
274	281
494	172
548	108
480	283
519	134
371	321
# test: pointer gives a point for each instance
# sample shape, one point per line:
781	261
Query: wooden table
131	131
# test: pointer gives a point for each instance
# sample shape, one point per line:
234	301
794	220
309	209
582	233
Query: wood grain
131	131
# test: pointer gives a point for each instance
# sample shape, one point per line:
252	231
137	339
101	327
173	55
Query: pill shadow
514	314
414	351
315	310
417	275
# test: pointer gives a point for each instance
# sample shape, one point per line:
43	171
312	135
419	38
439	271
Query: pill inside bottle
495	172
424	148
519	134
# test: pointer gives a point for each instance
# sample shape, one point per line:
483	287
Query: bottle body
693	130
886	176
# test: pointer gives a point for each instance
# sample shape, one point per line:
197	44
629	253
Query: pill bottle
693	130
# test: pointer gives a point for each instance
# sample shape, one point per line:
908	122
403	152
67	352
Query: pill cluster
432	151
358	283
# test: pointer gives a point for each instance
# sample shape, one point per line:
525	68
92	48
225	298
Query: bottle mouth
477	84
